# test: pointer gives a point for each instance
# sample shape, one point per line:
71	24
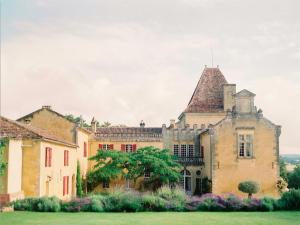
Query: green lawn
151	218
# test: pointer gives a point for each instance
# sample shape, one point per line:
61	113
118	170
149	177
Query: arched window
186	180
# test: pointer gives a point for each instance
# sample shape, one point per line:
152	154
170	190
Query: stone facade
220	138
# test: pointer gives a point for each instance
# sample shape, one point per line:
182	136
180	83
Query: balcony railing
191	161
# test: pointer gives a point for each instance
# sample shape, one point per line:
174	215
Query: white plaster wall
14	180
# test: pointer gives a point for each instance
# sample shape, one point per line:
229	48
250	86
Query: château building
220	138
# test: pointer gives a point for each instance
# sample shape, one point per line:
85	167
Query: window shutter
50	157
84	149
134	147
68	158
67	185
64	185
64	157
46	157
111	146
100	146
202	151
123	147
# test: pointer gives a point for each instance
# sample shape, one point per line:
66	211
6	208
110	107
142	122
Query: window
191	150
245	145
84	149
128	147
183	151
107	147
66	158
48	157
65	185
176	150
147	174
105	184
186	181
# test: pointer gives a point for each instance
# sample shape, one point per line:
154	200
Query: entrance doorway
186	181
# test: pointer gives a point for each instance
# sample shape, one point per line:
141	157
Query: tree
249	187
77	120
283	170
3	164
294	178
159	163
116	164
79	191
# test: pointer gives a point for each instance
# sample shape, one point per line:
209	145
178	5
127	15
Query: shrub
250	187
152	202
96	205
252	204
175	197
268	204
130	202
77	205
210	202
290	200
233	203
44	204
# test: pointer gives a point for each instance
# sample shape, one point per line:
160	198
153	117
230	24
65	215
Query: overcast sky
124	61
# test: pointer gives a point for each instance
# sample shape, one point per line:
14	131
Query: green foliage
116	164
153	202
44	204
290	200
283	170
250	187
3	164
77	120
175	196
109	165
294	178
79	191
268	204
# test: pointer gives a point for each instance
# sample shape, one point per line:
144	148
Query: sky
126	61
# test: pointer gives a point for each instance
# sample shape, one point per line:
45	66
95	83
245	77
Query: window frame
245	145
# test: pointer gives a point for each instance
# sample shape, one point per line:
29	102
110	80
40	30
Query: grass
152	218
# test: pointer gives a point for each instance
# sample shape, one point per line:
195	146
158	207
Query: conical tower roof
208	95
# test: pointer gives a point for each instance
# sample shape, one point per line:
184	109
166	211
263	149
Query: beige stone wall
39	180
53	123
14	167
31	168
201	118
205	142
229	170
82	137
53	176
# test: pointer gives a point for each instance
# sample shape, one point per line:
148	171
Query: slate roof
14	129
136	133
208	94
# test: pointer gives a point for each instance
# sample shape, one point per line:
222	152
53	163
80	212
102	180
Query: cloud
127	61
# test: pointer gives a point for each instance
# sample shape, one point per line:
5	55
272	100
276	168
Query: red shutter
111	146
67	185
202	152
64	185
100	146
46	157
134	147
123	147
50	157
84	149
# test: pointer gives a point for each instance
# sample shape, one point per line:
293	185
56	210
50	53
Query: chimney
228	96
172	123
142	124
94	125
48	107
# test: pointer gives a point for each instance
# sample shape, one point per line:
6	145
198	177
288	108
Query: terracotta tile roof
13	129
136	133
208	95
